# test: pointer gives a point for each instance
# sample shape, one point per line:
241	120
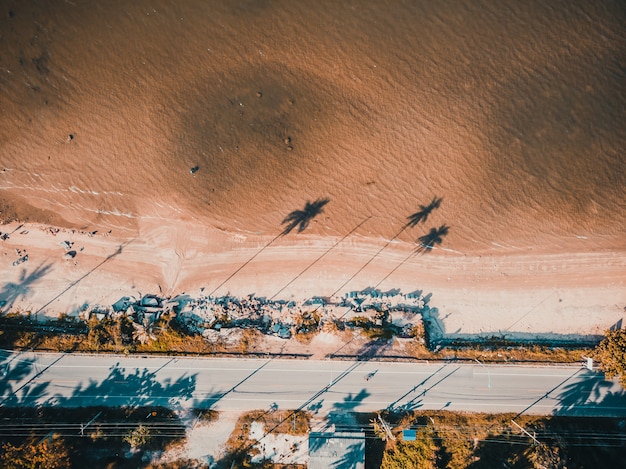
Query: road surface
321	386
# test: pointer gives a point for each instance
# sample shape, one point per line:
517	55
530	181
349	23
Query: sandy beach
166	144
533	296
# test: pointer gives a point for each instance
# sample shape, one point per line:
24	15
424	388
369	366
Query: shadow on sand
117	252
301	218
12	292
435	236
422	215
297	218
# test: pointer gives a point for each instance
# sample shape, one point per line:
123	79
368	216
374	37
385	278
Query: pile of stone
272	317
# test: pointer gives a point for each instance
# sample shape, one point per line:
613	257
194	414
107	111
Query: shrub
418	454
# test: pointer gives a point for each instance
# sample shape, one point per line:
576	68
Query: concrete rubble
280	318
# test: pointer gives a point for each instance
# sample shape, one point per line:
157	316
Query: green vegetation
116	438
120	438
137	437
611	355
418	454
122	335
450	440
51	453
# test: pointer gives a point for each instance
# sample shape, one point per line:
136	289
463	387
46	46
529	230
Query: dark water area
513	112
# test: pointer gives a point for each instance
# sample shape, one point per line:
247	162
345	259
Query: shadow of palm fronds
422	215
12	292
301	218
434	236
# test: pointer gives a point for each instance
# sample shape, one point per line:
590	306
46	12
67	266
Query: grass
446	440
104	443
116	336
507	354
454	440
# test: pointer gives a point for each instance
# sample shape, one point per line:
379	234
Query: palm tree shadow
13	369
427	242
135	388
502	449
422	215
589	396
373	349
12	292
301	218
342	419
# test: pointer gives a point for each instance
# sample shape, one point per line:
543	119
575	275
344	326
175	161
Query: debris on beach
4	236
216	317
151	301
288	143
69	255
272	317
194	169
21	260
67	245
123	303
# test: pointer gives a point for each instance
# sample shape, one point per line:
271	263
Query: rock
150	300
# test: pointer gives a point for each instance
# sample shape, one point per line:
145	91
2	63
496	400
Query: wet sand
512	114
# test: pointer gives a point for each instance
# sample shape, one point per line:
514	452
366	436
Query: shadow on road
584	397
416	401
341	419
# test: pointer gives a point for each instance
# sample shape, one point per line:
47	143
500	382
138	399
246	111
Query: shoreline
546	296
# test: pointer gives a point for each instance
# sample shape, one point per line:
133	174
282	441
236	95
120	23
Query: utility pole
83	427
488	374
588	363
535	441
385	426
330	383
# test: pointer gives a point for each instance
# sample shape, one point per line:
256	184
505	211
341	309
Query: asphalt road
321	386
